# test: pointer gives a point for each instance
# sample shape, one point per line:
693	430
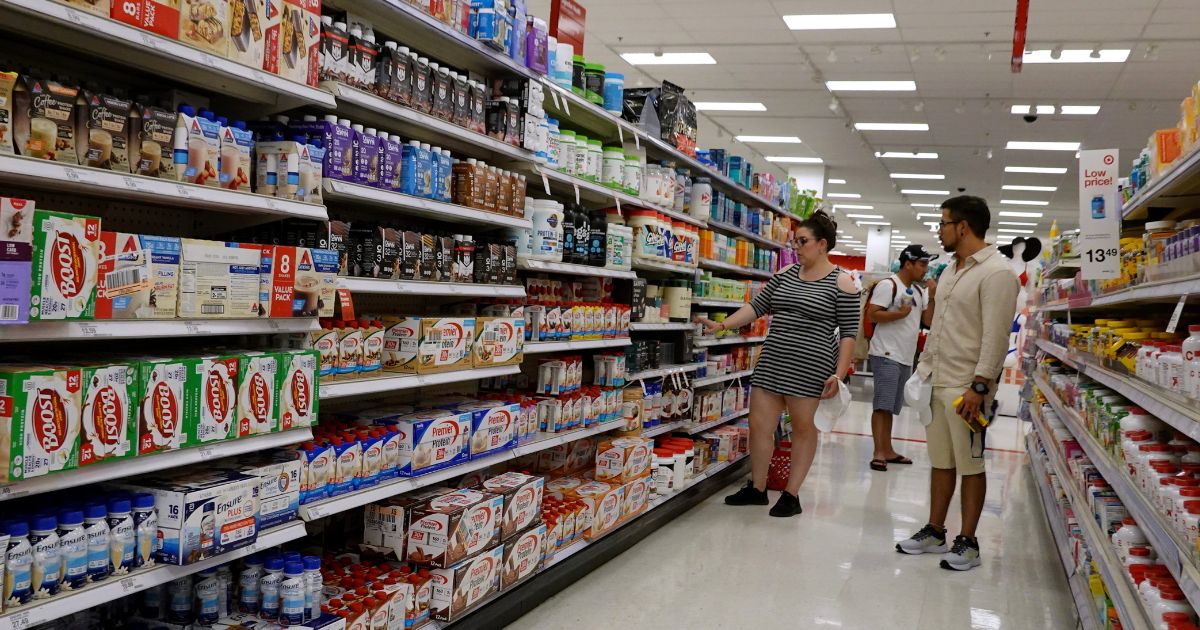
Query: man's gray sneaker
929	540
963	556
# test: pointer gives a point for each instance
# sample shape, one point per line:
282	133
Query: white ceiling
958	53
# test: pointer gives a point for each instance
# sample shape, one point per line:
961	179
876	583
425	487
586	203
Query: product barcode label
8	312
124	278
490	336
212	309
435	336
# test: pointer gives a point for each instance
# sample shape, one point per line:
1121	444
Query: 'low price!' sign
1099	214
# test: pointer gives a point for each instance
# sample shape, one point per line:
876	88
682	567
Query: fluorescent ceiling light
1023	202
915	176
1080	110
1042	146
1020	109
794	160
926	205
711	106
851	206
1045	110
1034	169
837	181
1032	188
843	195
785	139
668	59
872	222
1019	223
1076	55
864	216
928	215
1012	231
891	126
906	156
1020	215
917	191
839	21
871	86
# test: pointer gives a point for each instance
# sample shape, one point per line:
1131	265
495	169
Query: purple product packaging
338	144
536	45
390	163
16	269
366	160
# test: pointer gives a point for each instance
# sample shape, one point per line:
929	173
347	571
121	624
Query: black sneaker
748	495
787	505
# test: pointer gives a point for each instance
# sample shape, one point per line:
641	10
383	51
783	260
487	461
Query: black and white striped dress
808	318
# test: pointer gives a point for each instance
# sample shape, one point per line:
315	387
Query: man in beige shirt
963	358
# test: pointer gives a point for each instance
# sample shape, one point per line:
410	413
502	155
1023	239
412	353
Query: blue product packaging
278	491
47	566
208	598
409	169
391	164
95	527
390	449
316	461
122	538
435	173
18	565
446	174
73	548
372	458
347	463
430	440
292	593
425	172
493	426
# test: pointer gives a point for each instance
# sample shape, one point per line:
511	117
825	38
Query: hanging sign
1099	214
567	18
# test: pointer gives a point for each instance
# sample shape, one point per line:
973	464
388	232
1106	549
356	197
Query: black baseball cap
915	252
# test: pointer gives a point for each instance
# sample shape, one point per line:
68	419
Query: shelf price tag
206	452
621	133
566	102
1174	323
546	182
576	187
554	97
17	621
1099	214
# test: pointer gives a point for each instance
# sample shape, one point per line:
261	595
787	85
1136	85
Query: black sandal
900	459
879	464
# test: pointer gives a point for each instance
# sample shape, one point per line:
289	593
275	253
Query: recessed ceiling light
1045	110
1032	188
668	59
1077	55
782	139
1012	231
839	21
915	176
1019	223
864	216
926	205
837	181
712	106
1080	110
1023	202
1041	146
1020	109
909	156
783	159
1034	169
871	86
1020	215
891	126
918	191
852	206
843	195
872	223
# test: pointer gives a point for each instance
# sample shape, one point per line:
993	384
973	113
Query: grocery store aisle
835	565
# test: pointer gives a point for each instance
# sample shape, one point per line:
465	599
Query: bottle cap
274	563
312	563
70	516
143	500
254	560
187	110
95	510
118	506
293	567
44	522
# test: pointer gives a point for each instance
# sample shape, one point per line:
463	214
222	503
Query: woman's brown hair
823	228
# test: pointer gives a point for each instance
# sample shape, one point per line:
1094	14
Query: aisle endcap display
409	205
162	56
389	384
152	328
417	287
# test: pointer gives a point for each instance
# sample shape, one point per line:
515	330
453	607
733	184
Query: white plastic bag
830	409
917	395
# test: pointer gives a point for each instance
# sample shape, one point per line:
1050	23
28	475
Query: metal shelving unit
339	192
398	382
415	287
152	328
572	269
700	428
705	342
751	272
723	378
575	346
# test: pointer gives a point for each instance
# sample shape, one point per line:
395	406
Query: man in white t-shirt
897	307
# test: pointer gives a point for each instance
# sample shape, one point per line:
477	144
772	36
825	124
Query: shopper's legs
889	377
804	439
765	409
941	491
974	489
939	436
881	431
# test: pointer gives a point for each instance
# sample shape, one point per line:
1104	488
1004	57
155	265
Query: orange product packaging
637	492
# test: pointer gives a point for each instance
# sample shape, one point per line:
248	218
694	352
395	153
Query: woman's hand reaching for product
710	326
831	387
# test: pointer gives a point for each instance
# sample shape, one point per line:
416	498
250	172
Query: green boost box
168	395
109	428
39	419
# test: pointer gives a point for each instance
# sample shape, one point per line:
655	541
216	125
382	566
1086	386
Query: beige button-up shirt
972	318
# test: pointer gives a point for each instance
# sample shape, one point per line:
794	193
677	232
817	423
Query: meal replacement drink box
217	401
108	426
39	420
168	399
65	259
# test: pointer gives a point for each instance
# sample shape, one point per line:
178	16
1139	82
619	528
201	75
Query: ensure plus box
257	394
278	491
138	276
298	401
217	401
168	400
493	426
431	440
108	422
65	258
39	412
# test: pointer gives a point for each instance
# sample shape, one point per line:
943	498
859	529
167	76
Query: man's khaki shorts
951	444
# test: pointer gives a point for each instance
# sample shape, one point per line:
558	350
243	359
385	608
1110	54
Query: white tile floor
835	565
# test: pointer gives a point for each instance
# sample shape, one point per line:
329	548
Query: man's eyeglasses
942	224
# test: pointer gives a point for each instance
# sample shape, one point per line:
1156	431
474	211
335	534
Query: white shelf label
576	187
546	183
566	106
1174	323
621	133
554	97
206	452
192	328
9	492
183	191
17	621
148	41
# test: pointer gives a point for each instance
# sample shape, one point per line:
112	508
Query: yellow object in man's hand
979	417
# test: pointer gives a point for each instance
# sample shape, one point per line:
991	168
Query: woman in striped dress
808	350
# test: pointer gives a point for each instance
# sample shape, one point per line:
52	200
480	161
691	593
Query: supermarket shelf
339	192
374	111
1172	551
1079	588
117	587
662	428
729	228
414	287
133	466
391	384
717	265
713	380
97	37
1065	269
1175	410
1178	188
152	328
573	269
96	182
575	346
663	371
649	327
1161	291
718	422
599	193
322	509
718	303
705	342
648	264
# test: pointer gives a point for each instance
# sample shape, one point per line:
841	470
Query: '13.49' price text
1100	255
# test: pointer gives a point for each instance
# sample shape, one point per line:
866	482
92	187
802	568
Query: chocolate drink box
459	588
448	529
168	399
39	420
65	258
217	401
108	428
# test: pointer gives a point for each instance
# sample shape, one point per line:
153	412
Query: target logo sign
1108	160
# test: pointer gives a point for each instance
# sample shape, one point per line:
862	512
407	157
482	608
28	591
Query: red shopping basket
781	466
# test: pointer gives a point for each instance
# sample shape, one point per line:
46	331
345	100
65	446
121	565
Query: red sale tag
345	304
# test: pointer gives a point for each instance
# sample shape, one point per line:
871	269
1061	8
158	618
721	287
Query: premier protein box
257	393
623	459
217	402
65	259
522	556
444	530
445	344
108	422
493	425
459	588
498	341
297	388
431	440
637	492
168	399
40	419
401	336
522	500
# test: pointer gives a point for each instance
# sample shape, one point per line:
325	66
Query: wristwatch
980	388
